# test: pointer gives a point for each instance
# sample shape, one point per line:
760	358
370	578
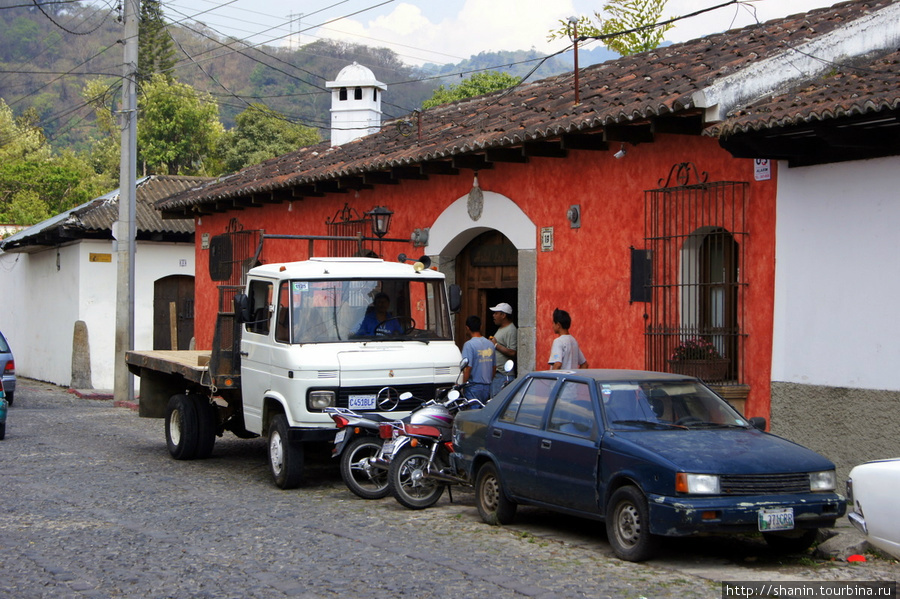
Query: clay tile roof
853	90
94	219
621	92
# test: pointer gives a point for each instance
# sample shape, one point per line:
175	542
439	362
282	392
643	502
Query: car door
515	435
568	450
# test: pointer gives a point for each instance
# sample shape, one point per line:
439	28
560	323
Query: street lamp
381	220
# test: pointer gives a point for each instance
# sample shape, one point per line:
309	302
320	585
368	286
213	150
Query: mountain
49	52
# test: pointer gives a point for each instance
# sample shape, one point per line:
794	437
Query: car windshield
666	404
346	310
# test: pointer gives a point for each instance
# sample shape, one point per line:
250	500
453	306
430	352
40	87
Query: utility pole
124	229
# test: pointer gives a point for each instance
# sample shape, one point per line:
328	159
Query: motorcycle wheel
359	476
406	480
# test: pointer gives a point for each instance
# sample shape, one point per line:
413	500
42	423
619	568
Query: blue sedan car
651	454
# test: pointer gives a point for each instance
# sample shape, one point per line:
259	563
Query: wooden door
173	312
487	271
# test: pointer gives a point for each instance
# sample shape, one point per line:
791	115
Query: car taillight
10	367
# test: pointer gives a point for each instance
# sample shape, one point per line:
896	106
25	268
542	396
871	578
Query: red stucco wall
587	273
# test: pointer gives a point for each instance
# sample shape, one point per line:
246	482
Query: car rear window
4	346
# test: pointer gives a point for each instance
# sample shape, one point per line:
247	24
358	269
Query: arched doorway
487	271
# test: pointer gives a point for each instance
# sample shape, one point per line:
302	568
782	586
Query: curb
103	395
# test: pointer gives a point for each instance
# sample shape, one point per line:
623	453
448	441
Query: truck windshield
347	310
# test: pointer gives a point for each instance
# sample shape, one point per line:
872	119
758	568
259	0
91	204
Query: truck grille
421	393
764	484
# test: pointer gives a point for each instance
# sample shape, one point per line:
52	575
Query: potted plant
699	358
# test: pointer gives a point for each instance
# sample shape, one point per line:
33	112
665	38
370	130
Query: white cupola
355	104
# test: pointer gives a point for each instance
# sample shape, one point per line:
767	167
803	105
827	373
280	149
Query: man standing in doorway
506	341
479	371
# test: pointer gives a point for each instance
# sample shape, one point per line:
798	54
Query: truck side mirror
455	298
242	308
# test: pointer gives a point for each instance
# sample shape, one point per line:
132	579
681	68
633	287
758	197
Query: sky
447	31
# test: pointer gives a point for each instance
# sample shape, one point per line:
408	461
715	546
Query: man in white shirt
565	353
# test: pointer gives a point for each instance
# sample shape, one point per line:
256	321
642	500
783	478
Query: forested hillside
206	104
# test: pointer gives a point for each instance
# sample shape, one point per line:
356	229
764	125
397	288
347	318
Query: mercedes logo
387	399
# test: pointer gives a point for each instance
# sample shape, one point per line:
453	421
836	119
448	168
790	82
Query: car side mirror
758	422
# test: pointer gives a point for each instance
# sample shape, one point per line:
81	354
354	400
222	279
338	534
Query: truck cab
344	332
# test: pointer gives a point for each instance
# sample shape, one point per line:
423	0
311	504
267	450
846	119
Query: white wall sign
762	169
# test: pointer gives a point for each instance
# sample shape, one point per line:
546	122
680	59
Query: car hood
723	451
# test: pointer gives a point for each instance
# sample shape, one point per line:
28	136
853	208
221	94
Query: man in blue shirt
479	352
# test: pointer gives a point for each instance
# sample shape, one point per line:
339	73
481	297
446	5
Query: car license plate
776	519
340	436
362	402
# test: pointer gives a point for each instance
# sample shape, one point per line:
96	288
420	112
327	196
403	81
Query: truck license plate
776	519
362	402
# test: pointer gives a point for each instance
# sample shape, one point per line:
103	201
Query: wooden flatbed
165	373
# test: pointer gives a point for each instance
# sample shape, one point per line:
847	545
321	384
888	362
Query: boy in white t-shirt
565	353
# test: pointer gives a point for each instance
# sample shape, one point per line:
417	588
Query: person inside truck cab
378	319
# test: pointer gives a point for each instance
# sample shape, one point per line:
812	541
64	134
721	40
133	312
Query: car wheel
182	428
407	482
359	475
9	397
285	458
628	525
206	427
493	506
793	541
2	430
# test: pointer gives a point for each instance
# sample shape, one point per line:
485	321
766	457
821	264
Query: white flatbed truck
301	337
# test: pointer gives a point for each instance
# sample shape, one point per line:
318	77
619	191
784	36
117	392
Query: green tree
636	17
476	85
35	183
259	134
178	128
156	51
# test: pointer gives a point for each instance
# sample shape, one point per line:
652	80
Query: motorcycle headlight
319	400
697	484
822	481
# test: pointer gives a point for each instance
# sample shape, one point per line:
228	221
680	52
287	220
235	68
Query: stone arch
454	228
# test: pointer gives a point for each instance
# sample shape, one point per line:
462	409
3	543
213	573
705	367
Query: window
528	405
357	94
573	412
342	94
697	237
260	299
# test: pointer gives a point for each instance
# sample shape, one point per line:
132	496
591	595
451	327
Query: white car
872	494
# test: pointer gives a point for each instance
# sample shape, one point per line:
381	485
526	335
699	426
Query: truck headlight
697	484
822	481
319	400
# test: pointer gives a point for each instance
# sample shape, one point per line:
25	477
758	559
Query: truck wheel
206	427
359	475
285	458
407	482
493	506
182	428
628	525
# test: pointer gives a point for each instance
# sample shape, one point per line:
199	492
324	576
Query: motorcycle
419	463
360	445
356	441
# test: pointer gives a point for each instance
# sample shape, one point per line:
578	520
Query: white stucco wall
44	302
838	275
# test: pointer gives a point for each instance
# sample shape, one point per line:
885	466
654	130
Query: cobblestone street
93	506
